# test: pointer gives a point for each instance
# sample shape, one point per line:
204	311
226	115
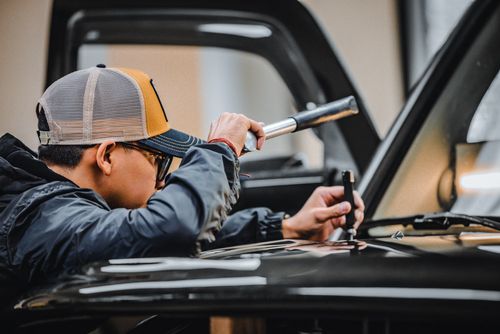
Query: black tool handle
306	119
348	182
329	112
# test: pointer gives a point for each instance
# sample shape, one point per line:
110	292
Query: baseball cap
96	104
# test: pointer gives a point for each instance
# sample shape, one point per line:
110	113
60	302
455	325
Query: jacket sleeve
74	229
248	226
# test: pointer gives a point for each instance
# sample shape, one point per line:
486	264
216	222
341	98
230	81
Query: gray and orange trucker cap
97	104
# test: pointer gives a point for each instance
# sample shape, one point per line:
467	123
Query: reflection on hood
20	170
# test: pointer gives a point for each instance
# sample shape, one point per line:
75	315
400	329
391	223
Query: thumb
334	211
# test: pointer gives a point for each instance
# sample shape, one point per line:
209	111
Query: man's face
133	179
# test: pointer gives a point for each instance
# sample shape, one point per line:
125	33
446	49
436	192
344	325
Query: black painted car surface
427	259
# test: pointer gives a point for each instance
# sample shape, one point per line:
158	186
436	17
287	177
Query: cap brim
172	142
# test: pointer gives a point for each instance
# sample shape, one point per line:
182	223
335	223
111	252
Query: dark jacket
49	225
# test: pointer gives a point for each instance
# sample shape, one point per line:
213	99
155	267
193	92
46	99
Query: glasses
162	161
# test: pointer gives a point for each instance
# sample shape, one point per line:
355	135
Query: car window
196	84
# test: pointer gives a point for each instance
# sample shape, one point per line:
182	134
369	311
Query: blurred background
386	45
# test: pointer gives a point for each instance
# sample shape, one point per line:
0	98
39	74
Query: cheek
141	182
142	187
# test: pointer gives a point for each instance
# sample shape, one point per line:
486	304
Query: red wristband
225	141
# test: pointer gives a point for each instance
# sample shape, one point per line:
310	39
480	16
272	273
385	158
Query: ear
104	156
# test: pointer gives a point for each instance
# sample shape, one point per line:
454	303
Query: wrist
227	142
287	228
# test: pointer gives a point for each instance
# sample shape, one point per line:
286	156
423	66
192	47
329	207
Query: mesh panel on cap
63	105
117	108
110	100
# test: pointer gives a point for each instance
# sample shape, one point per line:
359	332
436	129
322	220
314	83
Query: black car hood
279	276
438	245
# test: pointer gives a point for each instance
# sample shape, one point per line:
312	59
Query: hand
322	213
234	128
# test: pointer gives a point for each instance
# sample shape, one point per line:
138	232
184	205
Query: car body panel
289	275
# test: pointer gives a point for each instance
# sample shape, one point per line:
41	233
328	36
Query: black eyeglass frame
162	160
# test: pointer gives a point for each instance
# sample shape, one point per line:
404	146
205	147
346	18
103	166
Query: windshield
454	162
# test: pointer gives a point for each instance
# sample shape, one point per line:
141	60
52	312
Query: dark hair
63	155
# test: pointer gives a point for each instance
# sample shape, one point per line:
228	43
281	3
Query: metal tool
348	182
306	119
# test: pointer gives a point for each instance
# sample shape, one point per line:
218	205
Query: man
100	189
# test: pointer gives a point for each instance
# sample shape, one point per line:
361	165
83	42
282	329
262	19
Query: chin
129	204
139	203
140	200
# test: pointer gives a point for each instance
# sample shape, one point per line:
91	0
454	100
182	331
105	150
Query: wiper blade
438	220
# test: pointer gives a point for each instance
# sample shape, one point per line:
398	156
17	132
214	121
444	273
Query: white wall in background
366	34
24	28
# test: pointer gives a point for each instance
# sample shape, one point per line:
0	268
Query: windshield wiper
438	220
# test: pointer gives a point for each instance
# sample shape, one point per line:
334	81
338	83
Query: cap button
101	66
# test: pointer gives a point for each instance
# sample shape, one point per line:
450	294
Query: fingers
336	212
234	128
330	194
326	210
338	222
331	212
258	131
358	201
359	213
335	193
360	216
